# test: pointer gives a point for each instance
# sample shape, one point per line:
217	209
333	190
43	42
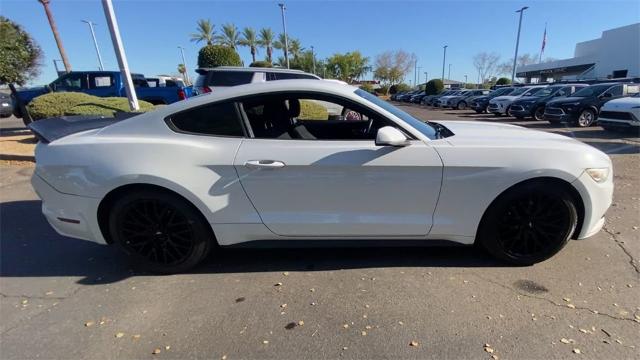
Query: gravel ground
67	298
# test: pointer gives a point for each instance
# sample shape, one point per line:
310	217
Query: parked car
430	99
6	105
480	103
533	106
462	101
443	102
621	114
437	102
101	84
582	107
501	105
210	79
165	81
406	97
415	99
169	186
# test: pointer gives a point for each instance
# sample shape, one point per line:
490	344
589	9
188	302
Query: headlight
598	175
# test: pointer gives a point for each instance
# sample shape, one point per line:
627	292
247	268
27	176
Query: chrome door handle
272	164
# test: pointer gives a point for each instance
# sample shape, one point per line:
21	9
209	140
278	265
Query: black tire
538	113
586	118
160	231
462	105
528	223
479	111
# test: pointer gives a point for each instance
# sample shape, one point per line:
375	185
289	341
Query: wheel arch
550	181
109	199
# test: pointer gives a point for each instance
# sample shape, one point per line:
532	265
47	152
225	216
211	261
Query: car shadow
31	248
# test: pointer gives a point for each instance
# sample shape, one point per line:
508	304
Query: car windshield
519	91
592	90
426	129
548	91
532	91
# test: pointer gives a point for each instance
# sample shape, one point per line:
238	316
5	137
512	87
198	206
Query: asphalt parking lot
68	298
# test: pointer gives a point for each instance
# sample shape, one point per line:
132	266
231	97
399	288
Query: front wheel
528	224
587	118
538	115
161	231
462	105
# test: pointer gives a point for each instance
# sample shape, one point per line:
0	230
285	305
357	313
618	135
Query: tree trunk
56	35
253	53
269	52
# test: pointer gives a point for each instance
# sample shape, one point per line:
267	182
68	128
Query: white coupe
311	161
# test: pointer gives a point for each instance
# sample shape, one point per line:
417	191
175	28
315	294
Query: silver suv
226	76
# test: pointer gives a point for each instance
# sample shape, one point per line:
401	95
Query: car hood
495	134
623	103
506	98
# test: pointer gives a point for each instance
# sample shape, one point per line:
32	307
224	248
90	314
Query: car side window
615	90
289	76
213	119
97	81
69	82
310	117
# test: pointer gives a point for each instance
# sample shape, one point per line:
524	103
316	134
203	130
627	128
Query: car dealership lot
82	300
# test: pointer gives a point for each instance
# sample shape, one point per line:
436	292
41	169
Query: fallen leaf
489	350
286	273
167	347
571	306
364	333
566	299
577	351
51	292
345	348
368	327
312	289
283	306
224	357
494	357
400	322
136	336
89	323
300	323
265	341
567	341
346	326
119	335
278	284
156	351
24	301
413	343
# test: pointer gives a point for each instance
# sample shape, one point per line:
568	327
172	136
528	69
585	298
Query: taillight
181	94
206	89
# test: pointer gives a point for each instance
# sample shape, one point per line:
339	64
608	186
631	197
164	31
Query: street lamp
313	59
184	63
449	72
515	57
426	77
95	42
286	40
419	67
465	79
444	57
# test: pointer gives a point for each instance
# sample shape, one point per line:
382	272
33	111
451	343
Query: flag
544	39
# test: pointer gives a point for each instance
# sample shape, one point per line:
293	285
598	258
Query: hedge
434	87
72	103
218	55
310	110
260	63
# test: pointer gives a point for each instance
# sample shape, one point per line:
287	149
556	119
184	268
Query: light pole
515	57
426	78
419	67
122	58
313	59
465	80
415	71
286	40
449	76
444	58
184	63
95	42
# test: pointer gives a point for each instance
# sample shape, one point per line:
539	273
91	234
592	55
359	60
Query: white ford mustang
308	160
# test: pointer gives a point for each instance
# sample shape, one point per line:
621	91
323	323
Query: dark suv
225	76
479	104
533	106
582	107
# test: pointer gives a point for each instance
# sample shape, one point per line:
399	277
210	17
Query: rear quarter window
213	119
229	78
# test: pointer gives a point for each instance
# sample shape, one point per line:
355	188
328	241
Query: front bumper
498	108
597	199
619	124
520	111
479	106
69	215
560	115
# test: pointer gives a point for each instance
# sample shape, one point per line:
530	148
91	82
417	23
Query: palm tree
56	35
204	32
280	44
229	36
295	48
250	40
266	41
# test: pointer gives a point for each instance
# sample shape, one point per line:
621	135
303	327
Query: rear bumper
69	215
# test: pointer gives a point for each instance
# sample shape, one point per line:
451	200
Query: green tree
229	36
402	87
20	55
218	55
261	64
266	41
279	44
204	32
295	48
434	87
392	66
503	81
347	67
250	40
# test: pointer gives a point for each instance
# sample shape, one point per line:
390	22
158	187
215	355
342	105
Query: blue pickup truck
102	84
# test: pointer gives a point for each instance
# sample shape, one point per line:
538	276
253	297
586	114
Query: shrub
310	110
367	87
434	87
260	63
218	55
503	81
399	88
71	103
382	90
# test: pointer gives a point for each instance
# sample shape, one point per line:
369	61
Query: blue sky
152	29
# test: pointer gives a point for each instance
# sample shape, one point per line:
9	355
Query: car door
338	187
74	81
101	84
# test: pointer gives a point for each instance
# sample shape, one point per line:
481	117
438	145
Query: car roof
251	69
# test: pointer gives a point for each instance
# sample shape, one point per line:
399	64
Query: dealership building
616	54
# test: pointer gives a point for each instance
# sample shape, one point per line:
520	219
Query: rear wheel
462	105
587	118
528	224
538	115
159	230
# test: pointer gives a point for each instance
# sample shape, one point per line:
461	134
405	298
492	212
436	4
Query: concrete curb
17	157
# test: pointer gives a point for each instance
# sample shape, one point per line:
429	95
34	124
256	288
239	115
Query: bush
434	87
310	110
218	55
367	87
382	90
260	63
503	81
399	88
71	103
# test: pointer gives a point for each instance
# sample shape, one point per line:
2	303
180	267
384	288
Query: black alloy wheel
160	230
538	114
529	224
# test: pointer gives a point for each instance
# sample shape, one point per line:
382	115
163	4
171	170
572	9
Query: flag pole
544	42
